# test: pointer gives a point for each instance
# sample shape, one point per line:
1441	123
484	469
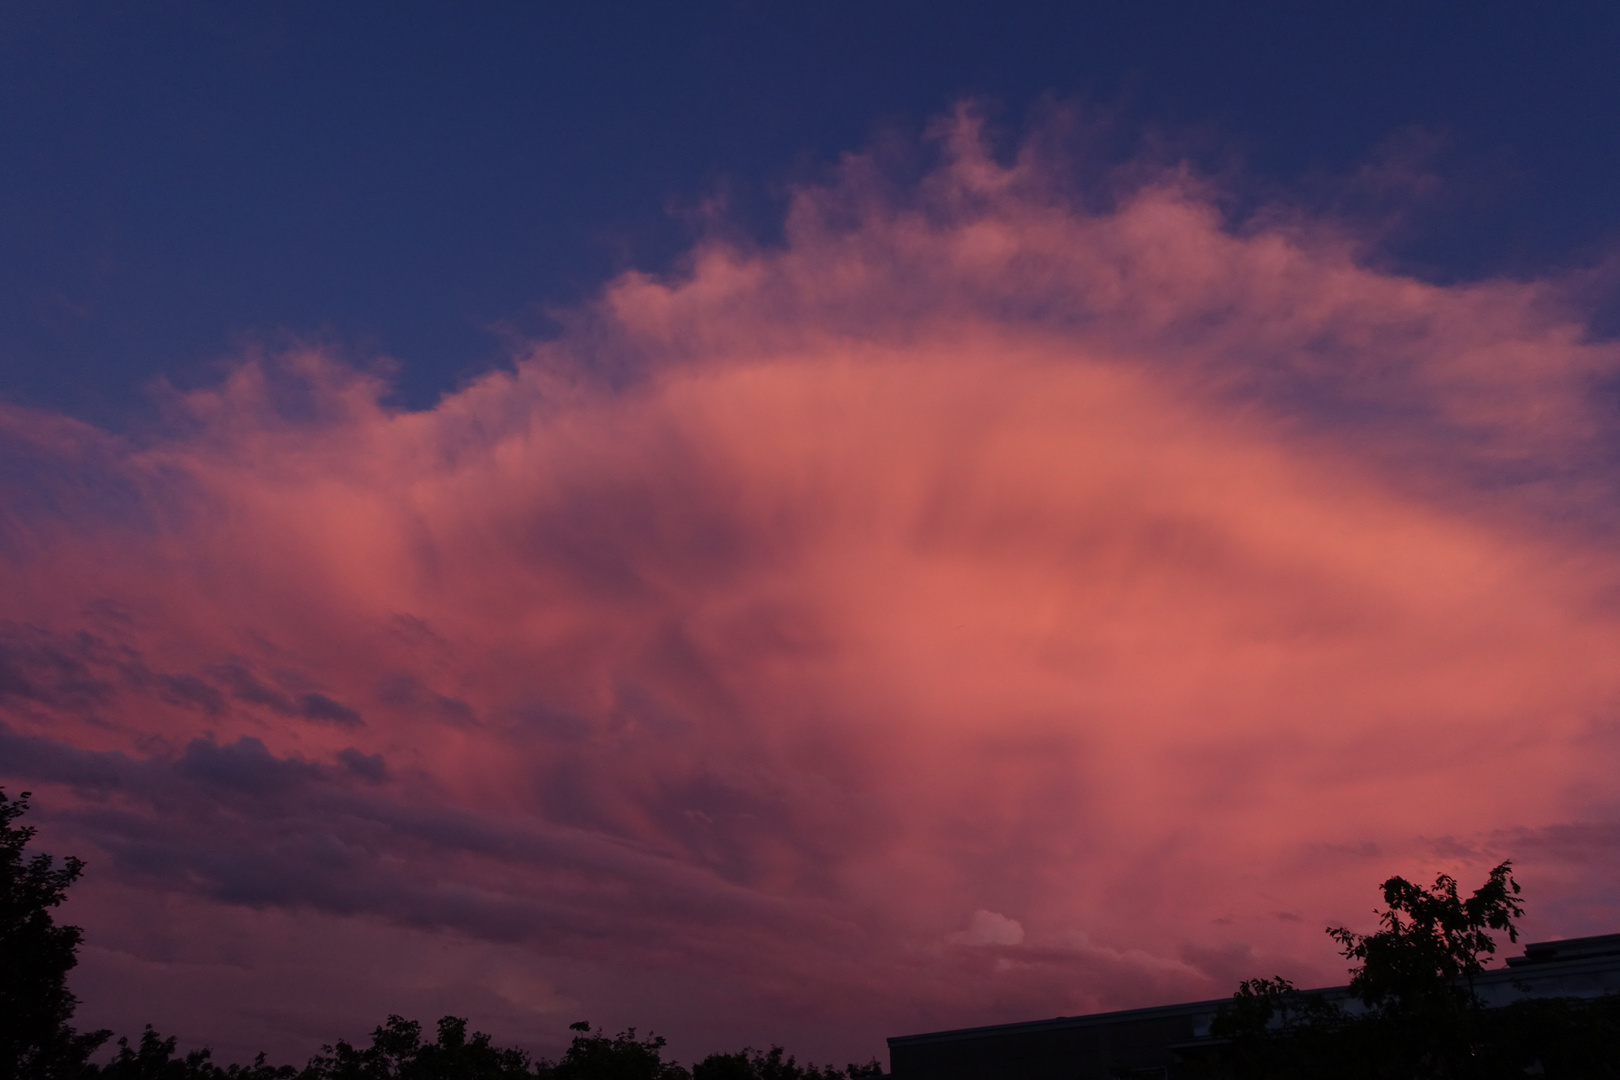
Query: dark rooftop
1580	948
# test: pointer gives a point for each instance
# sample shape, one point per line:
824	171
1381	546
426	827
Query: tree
397	1052
595	1056
1422	1019
1272	1029
1427	956
153	1058
36	1041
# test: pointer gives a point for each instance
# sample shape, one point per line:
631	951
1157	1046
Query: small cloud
989	928
404	691
370	767
245	765
190	691
246	687
322	709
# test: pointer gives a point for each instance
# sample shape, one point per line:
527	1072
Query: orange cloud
1144	583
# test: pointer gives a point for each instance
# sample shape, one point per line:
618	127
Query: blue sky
399	178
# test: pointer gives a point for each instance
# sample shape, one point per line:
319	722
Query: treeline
1416	1015
38	1041
398	1051
1414	1012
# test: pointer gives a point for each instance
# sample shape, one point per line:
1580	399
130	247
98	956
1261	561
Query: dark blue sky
398	177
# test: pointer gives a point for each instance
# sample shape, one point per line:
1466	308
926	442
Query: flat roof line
1541	957
1085	1020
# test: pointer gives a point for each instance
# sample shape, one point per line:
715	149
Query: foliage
1428	953
36	1040
1271	1027
397	1052
153	1059
622	1057
1420	1017
1263	1004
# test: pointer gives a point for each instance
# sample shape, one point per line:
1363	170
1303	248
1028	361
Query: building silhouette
1152	1042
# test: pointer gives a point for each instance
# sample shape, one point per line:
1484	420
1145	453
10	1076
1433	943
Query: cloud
369	766
988	928
987	546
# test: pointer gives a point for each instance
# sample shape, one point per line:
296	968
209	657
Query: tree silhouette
36	1041
1422	1019
595	1056
397	1052
153	1058
1428	953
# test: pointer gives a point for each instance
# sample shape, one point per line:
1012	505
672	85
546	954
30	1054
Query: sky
796	524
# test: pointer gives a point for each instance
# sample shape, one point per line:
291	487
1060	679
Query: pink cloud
1126	577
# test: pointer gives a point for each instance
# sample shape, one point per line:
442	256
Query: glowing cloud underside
978	608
